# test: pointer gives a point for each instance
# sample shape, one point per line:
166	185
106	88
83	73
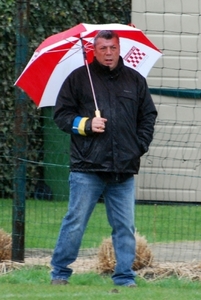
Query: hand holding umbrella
98	124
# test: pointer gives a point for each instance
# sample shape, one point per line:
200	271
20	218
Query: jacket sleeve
66	112
147	114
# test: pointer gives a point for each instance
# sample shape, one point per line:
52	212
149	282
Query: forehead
106	42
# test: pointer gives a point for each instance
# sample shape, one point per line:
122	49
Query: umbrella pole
97	111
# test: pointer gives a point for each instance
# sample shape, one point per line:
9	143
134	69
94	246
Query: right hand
98	124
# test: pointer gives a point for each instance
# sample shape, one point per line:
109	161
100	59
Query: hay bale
144	256
106	256
5	245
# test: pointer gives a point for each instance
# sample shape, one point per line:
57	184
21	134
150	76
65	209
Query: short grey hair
106	34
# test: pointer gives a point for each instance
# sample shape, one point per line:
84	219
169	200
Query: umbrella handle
97	113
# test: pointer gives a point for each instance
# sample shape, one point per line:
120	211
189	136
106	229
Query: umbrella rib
88	47
62	60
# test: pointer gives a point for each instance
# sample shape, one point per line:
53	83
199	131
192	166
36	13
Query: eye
103	48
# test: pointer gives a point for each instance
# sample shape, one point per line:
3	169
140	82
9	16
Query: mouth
108	61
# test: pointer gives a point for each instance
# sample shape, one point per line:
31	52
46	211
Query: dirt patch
81	265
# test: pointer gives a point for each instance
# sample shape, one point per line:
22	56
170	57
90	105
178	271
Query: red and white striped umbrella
58	55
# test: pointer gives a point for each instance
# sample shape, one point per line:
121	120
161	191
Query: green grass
34	284
159	223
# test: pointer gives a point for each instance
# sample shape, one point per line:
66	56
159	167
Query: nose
108	51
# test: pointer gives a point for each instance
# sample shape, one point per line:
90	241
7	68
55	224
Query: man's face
107	52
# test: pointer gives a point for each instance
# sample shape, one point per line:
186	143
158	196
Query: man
105	153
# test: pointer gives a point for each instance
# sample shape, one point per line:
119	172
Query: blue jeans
85	190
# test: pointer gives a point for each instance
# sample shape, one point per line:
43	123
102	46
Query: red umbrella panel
60	54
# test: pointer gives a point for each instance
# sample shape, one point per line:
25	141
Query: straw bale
5	245
144	256
106	256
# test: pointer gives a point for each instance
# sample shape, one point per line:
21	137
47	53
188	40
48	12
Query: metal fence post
20	137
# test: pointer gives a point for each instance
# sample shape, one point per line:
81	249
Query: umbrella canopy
58	55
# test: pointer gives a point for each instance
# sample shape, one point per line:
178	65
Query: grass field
159	223
34	284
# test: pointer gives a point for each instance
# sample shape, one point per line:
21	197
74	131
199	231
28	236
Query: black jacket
124	100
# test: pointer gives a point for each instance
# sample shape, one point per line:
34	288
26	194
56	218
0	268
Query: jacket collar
105	70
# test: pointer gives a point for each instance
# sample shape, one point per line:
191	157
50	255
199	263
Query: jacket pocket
128	104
